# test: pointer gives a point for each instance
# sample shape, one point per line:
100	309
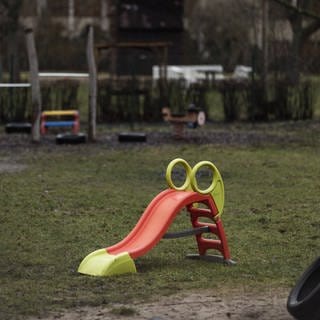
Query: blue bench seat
59	123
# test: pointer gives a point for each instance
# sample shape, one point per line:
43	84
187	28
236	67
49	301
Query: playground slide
149	230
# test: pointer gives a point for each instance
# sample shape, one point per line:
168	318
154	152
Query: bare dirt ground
244	135
197	305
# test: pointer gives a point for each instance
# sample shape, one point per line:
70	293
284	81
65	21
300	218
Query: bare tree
222	31
304	19
10	12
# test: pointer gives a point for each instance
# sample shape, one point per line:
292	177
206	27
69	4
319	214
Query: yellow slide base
101	263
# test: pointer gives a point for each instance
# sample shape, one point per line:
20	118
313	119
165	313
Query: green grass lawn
70	201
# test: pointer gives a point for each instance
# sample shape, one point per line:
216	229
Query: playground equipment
157	218
58	120
193	118
17	127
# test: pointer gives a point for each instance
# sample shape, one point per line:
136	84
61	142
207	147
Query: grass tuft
124	311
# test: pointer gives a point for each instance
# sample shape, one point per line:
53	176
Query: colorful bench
58	120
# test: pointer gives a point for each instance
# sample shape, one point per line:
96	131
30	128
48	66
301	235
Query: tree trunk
35	85
104	15
71	18
13	58
1	68
302	30
293	68
41	7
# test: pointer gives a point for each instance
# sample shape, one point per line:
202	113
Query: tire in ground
69	138
132	137
304	299
18	127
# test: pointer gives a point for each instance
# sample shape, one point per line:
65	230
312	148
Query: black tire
69	138
18	127
132	137
304	299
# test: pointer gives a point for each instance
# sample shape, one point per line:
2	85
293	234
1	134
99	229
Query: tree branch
296	10
310	29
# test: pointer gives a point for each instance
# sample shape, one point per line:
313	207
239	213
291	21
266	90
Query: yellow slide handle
216	188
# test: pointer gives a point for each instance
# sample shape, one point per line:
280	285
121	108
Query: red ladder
215	228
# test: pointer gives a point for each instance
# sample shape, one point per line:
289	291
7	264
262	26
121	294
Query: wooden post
35	85
265	47
92	86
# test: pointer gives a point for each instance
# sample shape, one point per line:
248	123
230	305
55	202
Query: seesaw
193	118
157	218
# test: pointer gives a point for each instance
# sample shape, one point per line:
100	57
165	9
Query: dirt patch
219	134
9	166
192	305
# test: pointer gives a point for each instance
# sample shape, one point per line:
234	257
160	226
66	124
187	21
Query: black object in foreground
304	299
